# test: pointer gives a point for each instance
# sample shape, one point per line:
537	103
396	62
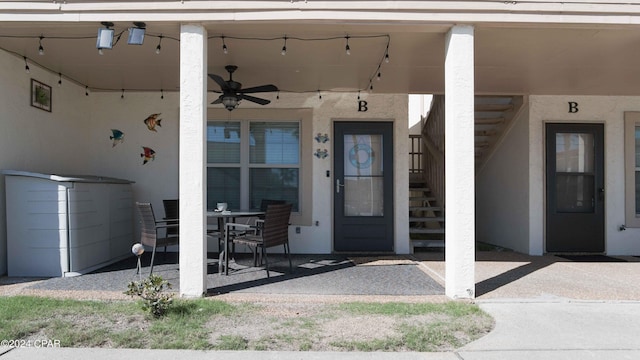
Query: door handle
338	186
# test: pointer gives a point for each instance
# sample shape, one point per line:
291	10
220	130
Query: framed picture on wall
40	95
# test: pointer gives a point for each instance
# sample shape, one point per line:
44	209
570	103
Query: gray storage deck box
66	225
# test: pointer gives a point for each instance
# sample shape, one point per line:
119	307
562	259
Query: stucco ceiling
509	59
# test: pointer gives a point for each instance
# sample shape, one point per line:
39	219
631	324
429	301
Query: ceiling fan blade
218	100
257	89
255	99
220	81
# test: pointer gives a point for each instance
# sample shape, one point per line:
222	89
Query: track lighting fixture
105	37
26	65
136	34
40	48
347	48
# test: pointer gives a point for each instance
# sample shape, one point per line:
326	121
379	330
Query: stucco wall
609	111
502	200
158	179
35	140
74	138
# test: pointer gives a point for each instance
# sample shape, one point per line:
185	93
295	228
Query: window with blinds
248	161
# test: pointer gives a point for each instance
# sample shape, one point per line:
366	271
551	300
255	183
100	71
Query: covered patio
456	49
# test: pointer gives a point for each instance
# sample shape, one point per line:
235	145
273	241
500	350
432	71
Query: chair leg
254	251
153	255
288	252
266	259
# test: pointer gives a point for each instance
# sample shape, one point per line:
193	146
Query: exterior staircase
426	218
492	117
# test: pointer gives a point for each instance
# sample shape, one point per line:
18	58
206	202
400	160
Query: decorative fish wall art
151	121
148	154
117	137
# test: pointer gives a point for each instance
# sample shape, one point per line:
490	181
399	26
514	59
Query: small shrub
151	291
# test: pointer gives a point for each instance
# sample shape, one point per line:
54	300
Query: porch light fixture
284	47
230	102
347	48
224	47
136	34
159	47
40	48
105	37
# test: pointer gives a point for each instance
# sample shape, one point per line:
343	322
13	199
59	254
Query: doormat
591	258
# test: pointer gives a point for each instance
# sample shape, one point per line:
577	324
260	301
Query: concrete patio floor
417	277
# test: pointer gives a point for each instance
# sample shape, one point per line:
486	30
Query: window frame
304	119
631	121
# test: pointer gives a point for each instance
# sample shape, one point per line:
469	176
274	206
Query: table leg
226	248
223	254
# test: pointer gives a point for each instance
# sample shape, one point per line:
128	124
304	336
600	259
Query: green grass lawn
213	324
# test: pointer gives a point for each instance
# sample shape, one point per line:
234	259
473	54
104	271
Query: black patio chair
149	231
171	212
274	231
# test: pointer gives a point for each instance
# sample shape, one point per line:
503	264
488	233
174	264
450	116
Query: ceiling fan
232	91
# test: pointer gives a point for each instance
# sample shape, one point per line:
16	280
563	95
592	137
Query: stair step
425	231
427	219
425	208
423	189
427	243
421	198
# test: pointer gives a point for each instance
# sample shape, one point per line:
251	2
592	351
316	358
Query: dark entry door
575	187
363	186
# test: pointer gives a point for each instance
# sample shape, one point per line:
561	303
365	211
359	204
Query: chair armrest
167	226
240	226
165	220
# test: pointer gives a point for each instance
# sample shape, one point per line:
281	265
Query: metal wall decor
322	138
321	154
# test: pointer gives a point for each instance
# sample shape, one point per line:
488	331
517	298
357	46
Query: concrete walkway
545	308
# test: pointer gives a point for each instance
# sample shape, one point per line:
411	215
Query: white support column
193	194
459	163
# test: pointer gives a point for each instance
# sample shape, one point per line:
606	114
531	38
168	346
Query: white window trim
631	120
305	117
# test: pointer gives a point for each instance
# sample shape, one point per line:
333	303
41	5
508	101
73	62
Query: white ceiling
509	59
